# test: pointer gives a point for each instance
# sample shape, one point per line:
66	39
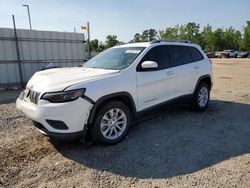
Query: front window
114	58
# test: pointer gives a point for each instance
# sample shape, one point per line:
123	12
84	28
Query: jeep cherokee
108	91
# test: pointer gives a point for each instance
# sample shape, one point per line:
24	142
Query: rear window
180	55
197	56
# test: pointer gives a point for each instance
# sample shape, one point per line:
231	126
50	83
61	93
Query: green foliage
245	45
169	33
146	36
217	40
111	40
94	45
97	46
101	47
231	39
137	38
192	32
209	39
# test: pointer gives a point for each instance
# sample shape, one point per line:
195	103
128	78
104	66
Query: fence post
18	53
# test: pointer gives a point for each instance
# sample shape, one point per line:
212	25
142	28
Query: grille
33	96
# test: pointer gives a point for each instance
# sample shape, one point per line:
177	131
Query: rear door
185	69
155	86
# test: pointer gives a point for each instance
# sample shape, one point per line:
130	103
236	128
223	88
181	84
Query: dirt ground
175	148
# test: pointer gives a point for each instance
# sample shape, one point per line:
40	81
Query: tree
169	33
111	40
207	35
152	34
137	38
231	39
101	47
148	35
181	32
144	36
245	45
192	32
94	45
217	42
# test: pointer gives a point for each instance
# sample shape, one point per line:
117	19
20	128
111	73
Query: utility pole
88	39
28	9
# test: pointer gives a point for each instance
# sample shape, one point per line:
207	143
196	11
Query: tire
201	97
111	124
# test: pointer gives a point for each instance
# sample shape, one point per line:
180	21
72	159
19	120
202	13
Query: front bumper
61	136
74	114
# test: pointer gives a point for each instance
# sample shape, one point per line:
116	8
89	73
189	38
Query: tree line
209	39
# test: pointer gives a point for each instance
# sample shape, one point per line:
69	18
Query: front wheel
201	97
112	123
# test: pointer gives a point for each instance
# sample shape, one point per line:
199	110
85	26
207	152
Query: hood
59	78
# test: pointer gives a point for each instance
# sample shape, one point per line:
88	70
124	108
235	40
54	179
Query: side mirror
149	65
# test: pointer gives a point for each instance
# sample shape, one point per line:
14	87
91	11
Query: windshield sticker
132	51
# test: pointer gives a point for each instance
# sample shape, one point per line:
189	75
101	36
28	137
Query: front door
157	85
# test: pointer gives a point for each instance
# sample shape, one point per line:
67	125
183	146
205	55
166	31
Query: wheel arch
206	79
124	97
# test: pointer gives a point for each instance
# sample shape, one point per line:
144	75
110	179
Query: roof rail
160	40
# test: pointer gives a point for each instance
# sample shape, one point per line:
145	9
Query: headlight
64	96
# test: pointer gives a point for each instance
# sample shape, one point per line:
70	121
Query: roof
138	44
156	42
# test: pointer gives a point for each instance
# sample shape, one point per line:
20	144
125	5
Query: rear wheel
112	123
201	97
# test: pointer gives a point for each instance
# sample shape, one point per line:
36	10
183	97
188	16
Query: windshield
114	58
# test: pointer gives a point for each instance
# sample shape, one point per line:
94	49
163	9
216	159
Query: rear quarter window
197	56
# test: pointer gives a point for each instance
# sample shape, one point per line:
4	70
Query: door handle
170	73
196	67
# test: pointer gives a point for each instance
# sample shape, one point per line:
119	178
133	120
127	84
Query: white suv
106	95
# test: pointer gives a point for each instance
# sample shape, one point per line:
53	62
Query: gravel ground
175	148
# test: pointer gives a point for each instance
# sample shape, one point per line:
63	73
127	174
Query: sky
123	18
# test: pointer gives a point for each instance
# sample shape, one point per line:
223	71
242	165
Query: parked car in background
217	54
229	53
243	54
210	54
